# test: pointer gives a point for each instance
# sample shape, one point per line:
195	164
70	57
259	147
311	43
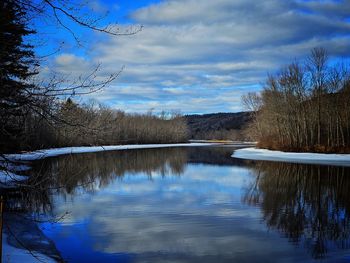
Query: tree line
88	124
34	113
304	107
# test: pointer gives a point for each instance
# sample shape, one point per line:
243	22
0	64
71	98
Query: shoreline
52	152
292	157
15	163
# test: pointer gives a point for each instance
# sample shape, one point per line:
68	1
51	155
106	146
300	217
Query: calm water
192	205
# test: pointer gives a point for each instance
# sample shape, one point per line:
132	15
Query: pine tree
17	65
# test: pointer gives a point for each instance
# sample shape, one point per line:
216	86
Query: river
195	204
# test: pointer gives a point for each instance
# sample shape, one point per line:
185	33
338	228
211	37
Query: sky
200	56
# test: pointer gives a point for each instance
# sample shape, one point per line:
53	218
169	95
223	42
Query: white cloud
189	51
71	64
97	6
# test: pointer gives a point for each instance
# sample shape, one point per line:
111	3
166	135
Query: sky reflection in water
185	205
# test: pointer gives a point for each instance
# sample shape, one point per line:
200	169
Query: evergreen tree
17	65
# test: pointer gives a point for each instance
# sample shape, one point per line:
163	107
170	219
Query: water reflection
151	215
309	204
97	170
188	205
92	171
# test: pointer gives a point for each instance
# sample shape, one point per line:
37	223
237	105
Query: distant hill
217	125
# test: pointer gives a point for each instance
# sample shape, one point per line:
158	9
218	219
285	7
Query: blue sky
199	56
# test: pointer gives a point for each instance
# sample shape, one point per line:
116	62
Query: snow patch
9	176
292	157
9	179
13	254
41	154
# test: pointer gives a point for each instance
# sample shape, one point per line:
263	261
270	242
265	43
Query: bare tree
304	107
317	63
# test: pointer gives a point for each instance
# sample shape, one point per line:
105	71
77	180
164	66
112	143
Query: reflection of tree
309	204
87	170
68	173
33	201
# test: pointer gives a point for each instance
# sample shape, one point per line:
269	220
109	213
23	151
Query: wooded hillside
218	125
304	107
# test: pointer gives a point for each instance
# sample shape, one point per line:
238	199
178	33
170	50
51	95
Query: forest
89	124
218	126
304	107
41	112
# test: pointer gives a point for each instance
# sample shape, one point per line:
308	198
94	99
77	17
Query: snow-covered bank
41	154
10	173
14	254
10	179
23	241
292	157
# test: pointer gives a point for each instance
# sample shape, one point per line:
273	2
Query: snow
41	154
292	157
9	179
14	254
8	173
14	166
